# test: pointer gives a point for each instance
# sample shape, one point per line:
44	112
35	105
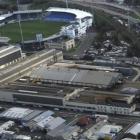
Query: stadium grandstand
60	16
66	14
23	15
79	20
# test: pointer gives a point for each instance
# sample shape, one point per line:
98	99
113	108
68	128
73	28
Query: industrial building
44	120
4	40
99	101
15	113
102	130
69	98
9	54
17	70
133	131
76	76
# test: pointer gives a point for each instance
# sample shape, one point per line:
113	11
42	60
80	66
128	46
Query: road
86	42
102	6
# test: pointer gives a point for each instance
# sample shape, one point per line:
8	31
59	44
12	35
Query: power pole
19	23
128	16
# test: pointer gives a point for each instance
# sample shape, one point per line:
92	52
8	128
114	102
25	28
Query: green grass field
30	29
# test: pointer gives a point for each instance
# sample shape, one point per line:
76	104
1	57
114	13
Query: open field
30	29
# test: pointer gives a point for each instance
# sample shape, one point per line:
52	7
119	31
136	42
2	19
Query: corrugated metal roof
55	123
16	113
135	129
43	116
32	115
76	75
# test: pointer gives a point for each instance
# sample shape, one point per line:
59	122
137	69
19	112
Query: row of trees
105	23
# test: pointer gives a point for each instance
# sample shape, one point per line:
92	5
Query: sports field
30	29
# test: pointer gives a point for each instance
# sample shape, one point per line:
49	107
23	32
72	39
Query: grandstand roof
28	11
4	16
79	13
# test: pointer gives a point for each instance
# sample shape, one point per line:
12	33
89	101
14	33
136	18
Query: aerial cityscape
69	69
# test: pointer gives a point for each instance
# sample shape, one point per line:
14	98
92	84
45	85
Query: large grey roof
76	75
6	50
43	115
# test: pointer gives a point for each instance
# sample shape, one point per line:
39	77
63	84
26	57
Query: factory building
9	54
102	130
99	101
133	132
76	76
70	98
15	113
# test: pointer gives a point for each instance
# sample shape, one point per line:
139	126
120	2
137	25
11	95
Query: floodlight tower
129	9
67	5
19	23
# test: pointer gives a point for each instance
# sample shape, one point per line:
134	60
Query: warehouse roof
22	137
71	75
44	121
16	113
108	129
134	130
43	116
4	39
5	50
104	98
52	124
32	115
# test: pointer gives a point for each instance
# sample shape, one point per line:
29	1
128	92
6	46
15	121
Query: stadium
69	22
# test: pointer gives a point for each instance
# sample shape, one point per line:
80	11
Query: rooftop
56	91
52	124
5	50
77	76
134	130
101	97
107	129
16	113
